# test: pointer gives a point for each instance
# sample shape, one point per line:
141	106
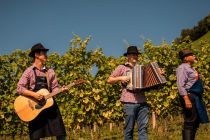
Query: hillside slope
205	37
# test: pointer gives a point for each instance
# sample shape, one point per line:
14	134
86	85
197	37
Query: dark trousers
57	138
191	120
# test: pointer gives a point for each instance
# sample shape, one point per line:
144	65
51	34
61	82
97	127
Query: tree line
197	31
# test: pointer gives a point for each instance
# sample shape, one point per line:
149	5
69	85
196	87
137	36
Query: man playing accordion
134	102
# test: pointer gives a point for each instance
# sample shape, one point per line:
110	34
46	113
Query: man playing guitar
49	122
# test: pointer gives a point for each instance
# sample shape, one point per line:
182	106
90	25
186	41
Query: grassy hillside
205	37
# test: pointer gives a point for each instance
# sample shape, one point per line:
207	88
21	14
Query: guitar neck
59	91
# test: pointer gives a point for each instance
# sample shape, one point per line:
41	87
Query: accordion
145	77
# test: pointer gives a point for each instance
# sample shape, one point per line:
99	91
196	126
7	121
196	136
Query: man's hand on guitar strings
39	97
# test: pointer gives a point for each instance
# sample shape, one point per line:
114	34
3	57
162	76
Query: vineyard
96	103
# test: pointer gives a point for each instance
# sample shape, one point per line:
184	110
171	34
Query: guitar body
28	108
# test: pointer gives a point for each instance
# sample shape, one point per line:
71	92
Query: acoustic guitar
28	108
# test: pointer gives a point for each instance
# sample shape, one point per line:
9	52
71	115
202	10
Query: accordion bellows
144	77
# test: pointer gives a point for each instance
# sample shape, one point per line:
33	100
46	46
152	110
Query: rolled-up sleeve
118	71
23	82
181	76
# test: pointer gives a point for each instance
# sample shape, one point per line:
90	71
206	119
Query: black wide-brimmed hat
184	53
37	47
132	50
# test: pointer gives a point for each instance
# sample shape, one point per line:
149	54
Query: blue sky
113	24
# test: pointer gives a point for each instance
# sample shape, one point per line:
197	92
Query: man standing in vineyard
49	122
190	87
135	106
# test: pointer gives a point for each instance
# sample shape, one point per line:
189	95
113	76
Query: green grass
166	129
205	37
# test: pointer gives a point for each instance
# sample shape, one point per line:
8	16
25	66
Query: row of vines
96	102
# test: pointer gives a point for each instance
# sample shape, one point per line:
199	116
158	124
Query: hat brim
126	54
31	54
187	54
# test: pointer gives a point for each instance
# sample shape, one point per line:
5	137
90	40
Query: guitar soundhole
40	104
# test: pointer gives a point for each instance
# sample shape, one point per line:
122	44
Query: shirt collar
42	69
187	65
128	64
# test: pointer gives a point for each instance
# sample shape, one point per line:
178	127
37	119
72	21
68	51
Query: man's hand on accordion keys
161	71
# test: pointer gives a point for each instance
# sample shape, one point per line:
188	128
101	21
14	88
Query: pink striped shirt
27	81
128	96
